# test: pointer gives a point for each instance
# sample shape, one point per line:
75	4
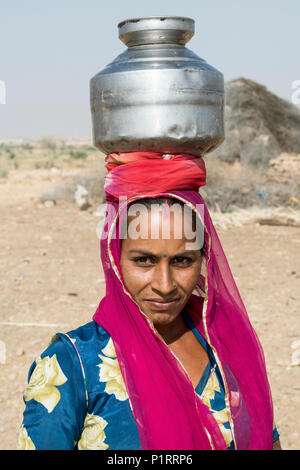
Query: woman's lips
160	305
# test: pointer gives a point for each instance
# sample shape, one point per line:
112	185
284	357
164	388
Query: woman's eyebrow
142	252
186	253
149	253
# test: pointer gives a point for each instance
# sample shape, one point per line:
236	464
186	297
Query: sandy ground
51	280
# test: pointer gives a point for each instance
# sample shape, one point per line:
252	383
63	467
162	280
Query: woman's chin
161	318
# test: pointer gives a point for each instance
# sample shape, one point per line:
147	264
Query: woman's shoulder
86	342
76	354
86	335
82	343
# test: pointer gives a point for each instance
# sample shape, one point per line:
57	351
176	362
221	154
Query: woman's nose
163	281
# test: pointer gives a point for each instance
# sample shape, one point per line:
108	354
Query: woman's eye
183	260
143	260
149	260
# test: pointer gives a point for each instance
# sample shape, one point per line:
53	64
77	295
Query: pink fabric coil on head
132	172
168	412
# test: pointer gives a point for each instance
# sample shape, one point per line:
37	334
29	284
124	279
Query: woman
170	360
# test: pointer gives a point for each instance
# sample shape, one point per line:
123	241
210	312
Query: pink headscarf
168	412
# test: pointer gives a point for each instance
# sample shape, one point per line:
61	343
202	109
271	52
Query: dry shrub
231	186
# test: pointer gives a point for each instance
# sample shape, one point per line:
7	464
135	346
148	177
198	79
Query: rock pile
259	125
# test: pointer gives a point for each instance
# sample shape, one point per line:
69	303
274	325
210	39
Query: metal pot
157	95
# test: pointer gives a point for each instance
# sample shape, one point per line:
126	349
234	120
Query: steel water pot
157	95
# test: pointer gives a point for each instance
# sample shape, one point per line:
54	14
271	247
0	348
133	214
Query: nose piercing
164	256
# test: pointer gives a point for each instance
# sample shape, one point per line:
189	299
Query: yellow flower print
53	339
109	349
93	435
220	416
46	376
226	434
111	374
211	387
24	441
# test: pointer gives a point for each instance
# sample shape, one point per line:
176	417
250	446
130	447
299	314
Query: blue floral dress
76	397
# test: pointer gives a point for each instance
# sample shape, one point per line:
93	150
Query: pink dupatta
168	412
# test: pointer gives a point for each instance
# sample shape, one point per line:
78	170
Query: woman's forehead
156	246
171	231
162	222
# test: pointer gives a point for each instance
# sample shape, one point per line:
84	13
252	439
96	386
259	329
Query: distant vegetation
42	154
229	184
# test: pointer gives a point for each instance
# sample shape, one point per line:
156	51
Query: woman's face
159	273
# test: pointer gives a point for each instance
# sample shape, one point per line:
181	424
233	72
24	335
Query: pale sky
50	50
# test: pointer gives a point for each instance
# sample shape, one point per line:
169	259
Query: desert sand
52	280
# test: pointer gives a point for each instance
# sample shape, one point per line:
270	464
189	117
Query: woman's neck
172	332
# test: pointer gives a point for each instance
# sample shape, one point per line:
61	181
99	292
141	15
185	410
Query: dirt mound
258	124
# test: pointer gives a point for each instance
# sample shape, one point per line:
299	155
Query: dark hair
170	201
